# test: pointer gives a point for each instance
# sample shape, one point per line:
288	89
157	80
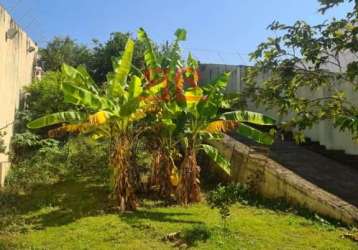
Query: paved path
332	176
327	174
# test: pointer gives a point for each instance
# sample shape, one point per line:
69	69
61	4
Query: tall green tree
104	54
182	116
63	50
314	58
98	59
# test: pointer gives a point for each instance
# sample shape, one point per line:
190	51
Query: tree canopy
309	57
98	59
63	50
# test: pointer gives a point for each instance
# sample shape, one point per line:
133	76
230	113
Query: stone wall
273	180
17	56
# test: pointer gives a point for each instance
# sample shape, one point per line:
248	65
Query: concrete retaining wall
17	56
272	180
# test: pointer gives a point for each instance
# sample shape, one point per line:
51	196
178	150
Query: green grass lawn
76	215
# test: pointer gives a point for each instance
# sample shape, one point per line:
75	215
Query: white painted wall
16	67
324	132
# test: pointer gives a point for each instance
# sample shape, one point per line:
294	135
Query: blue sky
222	31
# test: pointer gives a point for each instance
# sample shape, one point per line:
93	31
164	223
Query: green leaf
172	109
130	107
122	70
56	118
254	134
218	84
79	77
193	96
149	55
214	154
194	92
191	62
175	54
214	91
154	90
69	71
79	96
207	136
85	75
180	34
250	117
169	126
135	87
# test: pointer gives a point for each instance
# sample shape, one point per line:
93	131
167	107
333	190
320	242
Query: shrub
87	156
25	145
225	196
46	166
45	161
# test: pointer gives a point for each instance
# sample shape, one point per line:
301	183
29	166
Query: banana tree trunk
160	175
123	179
188	190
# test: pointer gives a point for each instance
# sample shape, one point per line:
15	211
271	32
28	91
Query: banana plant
110	113
163	70
199	120
190	116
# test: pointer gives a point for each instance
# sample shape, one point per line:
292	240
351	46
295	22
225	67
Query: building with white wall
17	57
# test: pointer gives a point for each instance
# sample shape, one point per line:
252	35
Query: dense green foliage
311	58
104	55
164	100
98	59
43	96
43	162
37	161
63	50
149	111
35	158
327	4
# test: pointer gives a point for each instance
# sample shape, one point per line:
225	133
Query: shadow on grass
196	234
137	217
63	203
6	245
53	205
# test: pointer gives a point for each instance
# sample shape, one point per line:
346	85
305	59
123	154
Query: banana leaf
249	117
56	118
149	54
122	70
214	154
80	96
79	76
254	134
135	87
